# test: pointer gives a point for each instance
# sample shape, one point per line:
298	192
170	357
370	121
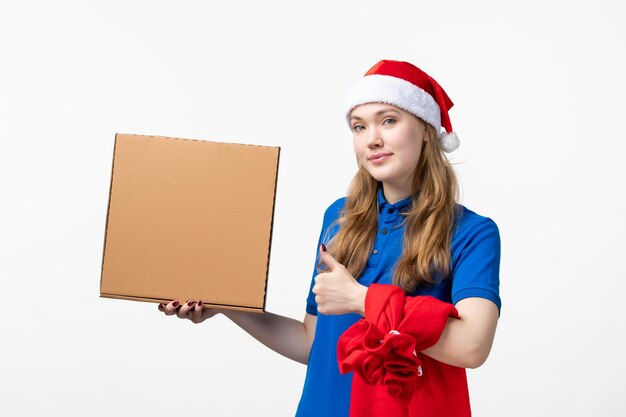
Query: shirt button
390	211
384	231
375	251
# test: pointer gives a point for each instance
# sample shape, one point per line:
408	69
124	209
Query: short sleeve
476	260
329	229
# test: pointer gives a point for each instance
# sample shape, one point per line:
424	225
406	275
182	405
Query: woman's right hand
196	312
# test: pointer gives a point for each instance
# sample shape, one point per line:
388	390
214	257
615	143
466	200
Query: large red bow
386	358
383	349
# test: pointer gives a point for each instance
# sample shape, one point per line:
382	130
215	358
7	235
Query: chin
380	176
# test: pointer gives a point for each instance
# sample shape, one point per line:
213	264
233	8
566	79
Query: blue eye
390	120
358	128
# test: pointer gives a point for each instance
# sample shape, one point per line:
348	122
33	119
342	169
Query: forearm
284	335
466	342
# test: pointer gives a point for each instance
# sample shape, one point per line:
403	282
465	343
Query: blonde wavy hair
428	223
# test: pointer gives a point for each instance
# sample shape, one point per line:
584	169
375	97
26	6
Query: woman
399	225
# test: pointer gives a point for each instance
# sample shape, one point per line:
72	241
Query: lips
378	157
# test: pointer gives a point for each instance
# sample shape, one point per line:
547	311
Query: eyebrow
378	113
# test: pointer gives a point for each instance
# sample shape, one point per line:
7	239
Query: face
387	143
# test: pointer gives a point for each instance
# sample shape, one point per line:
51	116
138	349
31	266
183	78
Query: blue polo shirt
475	260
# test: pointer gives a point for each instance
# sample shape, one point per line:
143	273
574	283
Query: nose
374	139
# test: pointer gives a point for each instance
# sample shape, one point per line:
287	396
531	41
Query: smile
379	158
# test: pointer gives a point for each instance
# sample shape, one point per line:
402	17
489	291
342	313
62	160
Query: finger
184	309
172	307
320	303
318	278
161	307
318	282
328	259
197	312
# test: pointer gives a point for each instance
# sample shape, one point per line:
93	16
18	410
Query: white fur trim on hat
377	88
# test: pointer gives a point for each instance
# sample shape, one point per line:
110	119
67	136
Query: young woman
399	225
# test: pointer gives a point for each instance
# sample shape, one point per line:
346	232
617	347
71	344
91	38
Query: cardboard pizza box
189	219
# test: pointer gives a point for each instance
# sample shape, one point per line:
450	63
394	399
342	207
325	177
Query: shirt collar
400	205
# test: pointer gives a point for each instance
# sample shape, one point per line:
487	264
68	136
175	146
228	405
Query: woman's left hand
337	292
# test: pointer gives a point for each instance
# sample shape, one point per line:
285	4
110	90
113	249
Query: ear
422	128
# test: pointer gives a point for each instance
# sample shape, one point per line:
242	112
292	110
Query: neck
394	193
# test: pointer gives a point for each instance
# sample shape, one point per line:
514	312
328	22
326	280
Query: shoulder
469	224
333	211
331	215
474	233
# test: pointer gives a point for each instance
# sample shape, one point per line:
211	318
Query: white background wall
539	94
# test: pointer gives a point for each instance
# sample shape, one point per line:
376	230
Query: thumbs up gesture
337	292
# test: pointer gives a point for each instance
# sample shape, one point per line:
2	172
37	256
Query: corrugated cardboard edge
269	250
156	300
106	224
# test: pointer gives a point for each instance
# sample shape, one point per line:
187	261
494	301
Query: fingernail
175	303
323	247
161	307
190	303
200	303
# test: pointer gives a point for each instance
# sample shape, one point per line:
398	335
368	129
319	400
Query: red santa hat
405	86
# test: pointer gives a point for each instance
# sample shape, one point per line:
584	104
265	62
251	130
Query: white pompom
449	141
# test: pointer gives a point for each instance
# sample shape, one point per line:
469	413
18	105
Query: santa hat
405	86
